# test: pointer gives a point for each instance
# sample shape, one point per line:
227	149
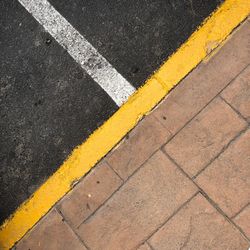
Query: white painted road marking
115	85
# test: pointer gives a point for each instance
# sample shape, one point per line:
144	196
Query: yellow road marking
214	30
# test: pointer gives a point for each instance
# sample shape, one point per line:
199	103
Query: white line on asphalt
115	85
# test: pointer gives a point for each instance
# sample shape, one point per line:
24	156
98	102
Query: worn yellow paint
203	41
214	30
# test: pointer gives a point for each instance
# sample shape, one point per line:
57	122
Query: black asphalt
48	104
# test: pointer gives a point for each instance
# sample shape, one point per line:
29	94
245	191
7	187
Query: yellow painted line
203	41
213	31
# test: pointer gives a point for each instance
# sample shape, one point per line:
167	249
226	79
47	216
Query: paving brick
145	139
205	136
238	93
227	179
147	199
205	82
198	226
144	246
89	194
51	234
243	220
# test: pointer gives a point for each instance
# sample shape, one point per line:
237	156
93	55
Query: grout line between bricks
236	214
117	190
234	109
72	229
222	151
104	202
150	246
146	243
82	179
213	98
213	203
168	218
112	169
40	220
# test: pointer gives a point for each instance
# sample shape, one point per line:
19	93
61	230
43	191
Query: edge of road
209	36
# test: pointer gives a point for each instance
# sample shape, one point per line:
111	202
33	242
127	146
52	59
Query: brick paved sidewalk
180	179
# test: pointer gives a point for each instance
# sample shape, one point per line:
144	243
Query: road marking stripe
115	85
215	29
